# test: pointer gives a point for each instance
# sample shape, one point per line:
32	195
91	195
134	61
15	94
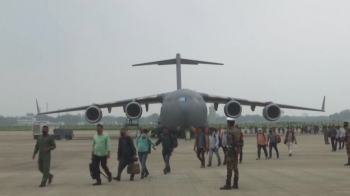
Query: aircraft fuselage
182	109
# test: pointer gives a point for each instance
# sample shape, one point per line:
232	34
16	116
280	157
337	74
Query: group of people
337	136
101	152
231	141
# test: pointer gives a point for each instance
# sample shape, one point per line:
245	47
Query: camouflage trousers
348	151
232	165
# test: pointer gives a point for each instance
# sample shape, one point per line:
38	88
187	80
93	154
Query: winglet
37	107
323	104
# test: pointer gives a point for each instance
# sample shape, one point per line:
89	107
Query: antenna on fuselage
178	61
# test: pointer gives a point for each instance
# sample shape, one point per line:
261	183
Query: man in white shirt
213	146
338	137
224	143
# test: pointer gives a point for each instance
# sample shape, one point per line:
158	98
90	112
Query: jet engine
133	110
233	109
272	112
93	114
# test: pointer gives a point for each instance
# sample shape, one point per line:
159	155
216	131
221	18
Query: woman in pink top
261	140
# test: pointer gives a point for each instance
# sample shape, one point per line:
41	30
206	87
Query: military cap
230	119
346	122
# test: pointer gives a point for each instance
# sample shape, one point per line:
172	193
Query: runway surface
312	170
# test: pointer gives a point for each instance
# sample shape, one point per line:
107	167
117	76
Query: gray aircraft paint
183	108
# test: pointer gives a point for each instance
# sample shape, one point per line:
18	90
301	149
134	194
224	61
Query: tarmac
312	170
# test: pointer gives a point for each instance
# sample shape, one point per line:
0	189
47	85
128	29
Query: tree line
76	119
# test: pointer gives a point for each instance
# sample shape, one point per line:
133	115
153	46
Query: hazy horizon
76	53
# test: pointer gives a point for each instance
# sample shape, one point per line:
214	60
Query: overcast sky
74	53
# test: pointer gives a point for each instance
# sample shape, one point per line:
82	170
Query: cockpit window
182	99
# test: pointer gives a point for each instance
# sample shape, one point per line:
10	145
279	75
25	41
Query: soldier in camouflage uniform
233	140
44	145
347	141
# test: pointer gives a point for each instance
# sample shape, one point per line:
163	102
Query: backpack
278	138
174	141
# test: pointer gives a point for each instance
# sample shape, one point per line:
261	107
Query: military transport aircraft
182	108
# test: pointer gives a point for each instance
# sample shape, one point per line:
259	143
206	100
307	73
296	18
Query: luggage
92	171
133	168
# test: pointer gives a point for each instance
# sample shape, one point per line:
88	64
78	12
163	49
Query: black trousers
123	162
273	145
200	155
259	150
340	141
240	153
334	143
97	160
225	150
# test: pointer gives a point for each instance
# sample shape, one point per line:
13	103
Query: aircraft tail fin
178	61
37	107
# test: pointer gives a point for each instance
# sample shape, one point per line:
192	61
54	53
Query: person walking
143	145
333	132
201	145
240	147
100	153
347	141
126	153
44	145
338	137
325	134
290	140
272	140
261	143
213	146
167	141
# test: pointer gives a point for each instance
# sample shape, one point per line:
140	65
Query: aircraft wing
223	100
141	100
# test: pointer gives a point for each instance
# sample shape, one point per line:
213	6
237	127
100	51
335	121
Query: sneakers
109	177
225	187
258	158
146	175
165	171
117	178
42	185
50	179
97	184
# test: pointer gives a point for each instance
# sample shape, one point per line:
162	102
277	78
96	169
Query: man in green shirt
44	145
100	153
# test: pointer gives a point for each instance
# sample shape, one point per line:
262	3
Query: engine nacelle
272	112
93	114
233	109
133	110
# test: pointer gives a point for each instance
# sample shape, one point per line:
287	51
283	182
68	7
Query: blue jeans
166	158
143	159
211	151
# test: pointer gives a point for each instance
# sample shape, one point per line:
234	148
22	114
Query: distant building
26	120
212	114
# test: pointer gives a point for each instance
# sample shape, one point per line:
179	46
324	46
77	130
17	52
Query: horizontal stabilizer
195	62
164	62
182	61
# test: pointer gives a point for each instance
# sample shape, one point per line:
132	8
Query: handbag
133	168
